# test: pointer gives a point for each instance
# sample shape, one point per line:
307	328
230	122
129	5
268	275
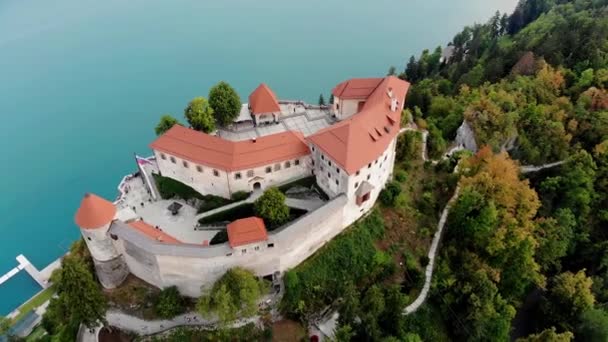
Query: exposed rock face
465	137
111	273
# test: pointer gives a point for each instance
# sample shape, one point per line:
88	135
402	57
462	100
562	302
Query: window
229	254
322	157
114	237
358	172
237	175
376	162
257	248
313	148
89	238
277	167
337	182
199	168
356	185
185	163
287	164
296	162
172	160
244	251
270	245
368	176
250	173
385	157
337	106
163	156
328	175
369	166
268	169
216	173
338	170
329	162
313	163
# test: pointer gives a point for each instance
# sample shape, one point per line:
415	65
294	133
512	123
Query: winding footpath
428	274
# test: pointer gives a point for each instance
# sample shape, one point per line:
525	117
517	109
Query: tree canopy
271	207
225	102
165	123
234	295
199	115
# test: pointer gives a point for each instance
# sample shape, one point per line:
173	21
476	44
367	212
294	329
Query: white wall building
352	160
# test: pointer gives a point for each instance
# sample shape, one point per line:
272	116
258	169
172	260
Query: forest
524	256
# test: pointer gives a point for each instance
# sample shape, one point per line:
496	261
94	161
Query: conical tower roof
94	212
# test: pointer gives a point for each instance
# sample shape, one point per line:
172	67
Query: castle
349	147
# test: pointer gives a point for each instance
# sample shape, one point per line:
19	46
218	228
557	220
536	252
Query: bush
400	176
170	188
389	194
169	303
240	211
240	196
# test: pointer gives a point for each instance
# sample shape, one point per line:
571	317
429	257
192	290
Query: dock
41	277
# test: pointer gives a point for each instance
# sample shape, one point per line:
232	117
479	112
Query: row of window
237	175
256	248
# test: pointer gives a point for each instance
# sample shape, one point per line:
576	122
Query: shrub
389	194
400	176
240	196
169	303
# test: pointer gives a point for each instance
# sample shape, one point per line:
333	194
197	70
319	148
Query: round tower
94	218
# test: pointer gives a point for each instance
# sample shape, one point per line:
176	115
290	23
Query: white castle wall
345	108
191	266
99	245
209	180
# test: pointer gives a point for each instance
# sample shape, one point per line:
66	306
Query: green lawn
35	302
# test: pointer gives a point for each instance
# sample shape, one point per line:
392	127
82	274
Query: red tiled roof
245	231
361	139
356	88
229	155
152	232
94	212
263	100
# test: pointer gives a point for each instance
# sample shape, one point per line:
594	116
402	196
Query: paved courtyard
295	116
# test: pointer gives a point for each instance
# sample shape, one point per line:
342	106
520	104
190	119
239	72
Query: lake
82	84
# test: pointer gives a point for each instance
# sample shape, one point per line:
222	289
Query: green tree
199	115
392	71
321	100
165	123
5	324
344	333
169	303
225	103
79	294
548	335
234	295
593	326
271	207
555	237
568	297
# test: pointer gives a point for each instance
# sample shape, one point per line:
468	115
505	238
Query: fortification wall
190	267
111	273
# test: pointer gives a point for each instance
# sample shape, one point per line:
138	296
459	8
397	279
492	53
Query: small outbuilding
246	231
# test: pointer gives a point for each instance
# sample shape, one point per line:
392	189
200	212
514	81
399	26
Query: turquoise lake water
82	84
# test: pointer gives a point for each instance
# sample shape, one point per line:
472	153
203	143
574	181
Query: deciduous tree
225	102
199	115
165	123
271	207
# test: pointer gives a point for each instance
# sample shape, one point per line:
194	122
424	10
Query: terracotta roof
152	232
245	231
263	100
94	212
229	155
356	88
361	139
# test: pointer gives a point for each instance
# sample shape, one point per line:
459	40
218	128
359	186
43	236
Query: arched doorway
257	186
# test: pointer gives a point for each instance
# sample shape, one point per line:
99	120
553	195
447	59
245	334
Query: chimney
253	140
390	92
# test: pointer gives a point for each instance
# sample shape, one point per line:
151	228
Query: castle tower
94	218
